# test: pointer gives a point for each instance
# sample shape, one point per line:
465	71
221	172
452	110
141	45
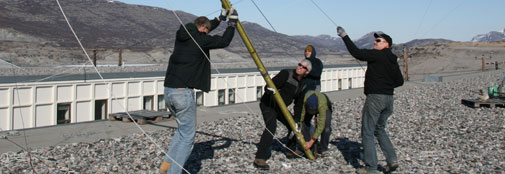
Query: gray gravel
431	130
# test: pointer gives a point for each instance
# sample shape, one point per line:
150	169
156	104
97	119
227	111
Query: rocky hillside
453	58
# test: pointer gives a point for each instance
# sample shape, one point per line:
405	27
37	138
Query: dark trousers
325	135
376	112
270	116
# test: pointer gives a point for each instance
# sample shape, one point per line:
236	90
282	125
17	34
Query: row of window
63	109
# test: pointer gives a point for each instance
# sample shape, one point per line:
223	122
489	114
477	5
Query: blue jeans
377	109
182	106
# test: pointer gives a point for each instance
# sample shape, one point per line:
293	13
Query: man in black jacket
189	69
313	80
381	77
291	87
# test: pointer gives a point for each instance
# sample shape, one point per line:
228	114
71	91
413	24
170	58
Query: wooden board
491	103
140	116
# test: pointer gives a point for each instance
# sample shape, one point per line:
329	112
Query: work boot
164	167
261	164
297	154
391	167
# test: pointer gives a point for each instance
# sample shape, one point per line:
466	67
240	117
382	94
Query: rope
84	50
264	16
322	11
218	72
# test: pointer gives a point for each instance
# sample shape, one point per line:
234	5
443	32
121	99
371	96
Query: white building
37	104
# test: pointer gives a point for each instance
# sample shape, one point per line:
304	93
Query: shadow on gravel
205	150
350	150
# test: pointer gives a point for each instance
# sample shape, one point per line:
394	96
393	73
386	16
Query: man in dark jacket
381	77
189	69
291	88
313	80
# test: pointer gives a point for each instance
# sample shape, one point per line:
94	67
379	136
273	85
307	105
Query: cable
264	16
322	11
422	19
133	120
217	70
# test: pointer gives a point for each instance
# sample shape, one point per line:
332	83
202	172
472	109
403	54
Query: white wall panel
118	90
22	118
260	81
250	81
251	94
133	89
241	81
118	105
44	95
83	111
231	81
222	83
4	97
83	92
148	88
210	98
241	95
44	115
4	119
161	88
64	93
134	103
22	96
101	91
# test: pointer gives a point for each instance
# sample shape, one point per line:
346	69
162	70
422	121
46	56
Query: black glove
224	13
341	31
232	17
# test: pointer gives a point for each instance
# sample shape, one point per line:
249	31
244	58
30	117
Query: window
100	109
161	103
339	84
231	96
148	103
220	97
350	83
199	98
63	113
259	92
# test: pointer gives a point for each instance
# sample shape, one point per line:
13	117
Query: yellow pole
268	80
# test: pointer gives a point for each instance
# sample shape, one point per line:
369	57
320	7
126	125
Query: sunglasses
380	40
304	67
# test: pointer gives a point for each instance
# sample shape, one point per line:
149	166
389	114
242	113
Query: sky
403	20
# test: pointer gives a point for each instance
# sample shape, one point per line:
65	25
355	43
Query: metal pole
268	80
120	61
483	64
406	64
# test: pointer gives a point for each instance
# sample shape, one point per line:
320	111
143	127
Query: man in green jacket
315	104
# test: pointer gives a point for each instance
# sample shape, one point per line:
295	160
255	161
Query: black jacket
314	77
289	87
383	72
188	67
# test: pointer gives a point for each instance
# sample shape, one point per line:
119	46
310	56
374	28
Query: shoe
297	154
365	171
391	167
261	164
324	154
164	167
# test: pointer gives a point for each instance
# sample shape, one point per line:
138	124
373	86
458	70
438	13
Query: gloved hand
232	17
341	31
224	13
271	90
